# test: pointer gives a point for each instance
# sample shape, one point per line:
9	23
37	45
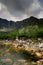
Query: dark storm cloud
19	5
21	8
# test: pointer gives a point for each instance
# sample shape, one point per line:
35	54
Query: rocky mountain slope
26	22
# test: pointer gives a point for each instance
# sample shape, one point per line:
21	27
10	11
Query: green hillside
28	28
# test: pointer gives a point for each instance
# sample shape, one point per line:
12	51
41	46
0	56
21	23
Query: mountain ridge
26	22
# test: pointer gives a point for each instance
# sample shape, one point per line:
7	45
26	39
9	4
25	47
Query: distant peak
32	17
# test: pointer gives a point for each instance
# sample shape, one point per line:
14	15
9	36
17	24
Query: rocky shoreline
36	50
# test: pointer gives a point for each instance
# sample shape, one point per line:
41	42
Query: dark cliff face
6	24
26	22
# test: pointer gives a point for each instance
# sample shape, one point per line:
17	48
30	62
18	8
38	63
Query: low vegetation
26	32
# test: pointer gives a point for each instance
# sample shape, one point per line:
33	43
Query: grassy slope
28	32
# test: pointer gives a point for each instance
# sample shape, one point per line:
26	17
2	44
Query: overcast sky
20	9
